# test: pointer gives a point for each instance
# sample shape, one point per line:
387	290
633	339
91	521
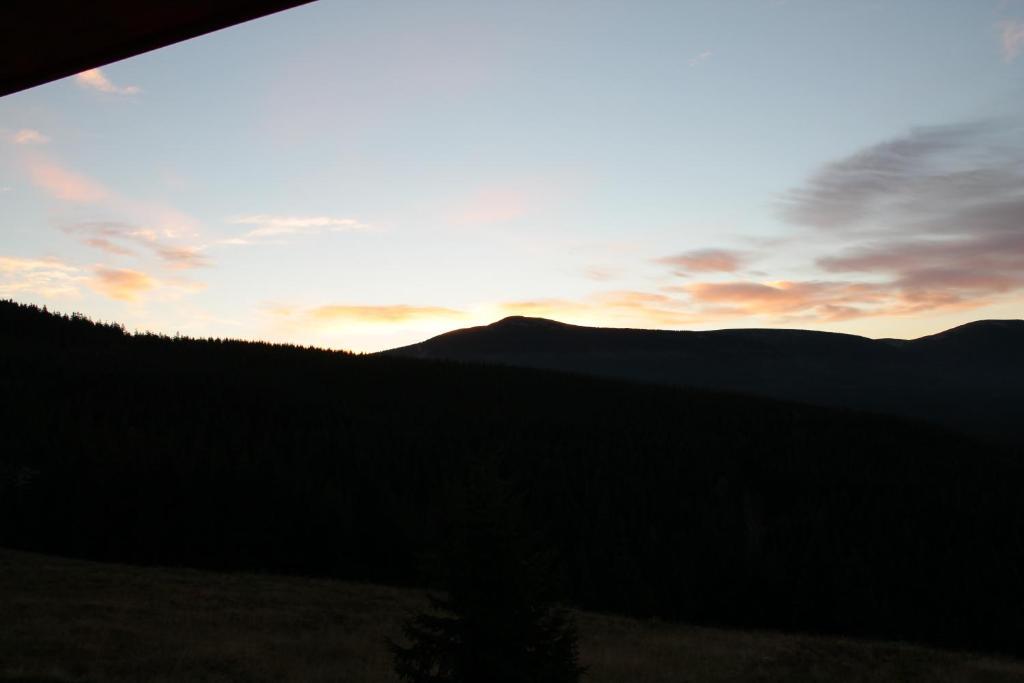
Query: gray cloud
936	216
704	261
922	175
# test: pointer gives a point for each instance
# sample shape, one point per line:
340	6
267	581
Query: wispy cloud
97	80
273	226
181	256
700	58
982	265
123	239
932	218
44	277
932	221
924	223
166	232
704	261
13	264
601	273
1011	33
163	235
700	303
28	136
492	205
904	178
822	300
54	278
106	245
65	184
68	185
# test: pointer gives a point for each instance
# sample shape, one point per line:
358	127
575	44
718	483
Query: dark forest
684	504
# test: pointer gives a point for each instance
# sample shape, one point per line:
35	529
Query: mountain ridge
1012	325
968	376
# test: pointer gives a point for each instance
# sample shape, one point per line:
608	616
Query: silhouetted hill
970	377
981	342
647	500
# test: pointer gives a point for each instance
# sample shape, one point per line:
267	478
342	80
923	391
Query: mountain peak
522	321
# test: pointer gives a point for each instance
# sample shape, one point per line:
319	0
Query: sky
366	175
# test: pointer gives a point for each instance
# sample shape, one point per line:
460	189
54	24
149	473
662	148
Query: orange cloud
29	136
927	273
380	314
97	80
64	184
346	324
45	277
754	298
560	309
12	264
624	307
826	301
122	284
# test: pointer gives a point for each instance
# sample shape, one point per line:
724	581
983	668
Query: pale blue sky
362	175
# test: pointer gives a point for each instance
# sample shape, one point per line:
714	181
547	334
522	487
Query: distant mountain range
970	377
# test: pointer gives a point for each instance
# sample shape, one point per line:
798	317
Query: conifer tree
495	624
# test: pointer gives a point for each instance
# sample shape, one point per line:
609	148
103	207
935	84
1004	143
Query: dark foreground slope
651	500
68	621
970	377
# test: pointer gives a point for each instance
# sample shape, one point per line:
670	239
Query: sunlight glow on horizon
366	177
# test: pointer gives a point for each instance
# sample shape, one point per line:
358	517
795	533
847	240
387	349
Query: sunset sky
366	175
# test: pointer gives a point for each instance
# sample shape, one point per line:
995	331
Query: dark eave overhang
43	40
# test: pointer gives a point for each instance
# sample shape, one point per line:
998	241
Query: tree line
710	508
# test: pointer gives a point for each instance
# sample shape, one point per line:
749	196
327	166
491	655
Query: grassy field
67	620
